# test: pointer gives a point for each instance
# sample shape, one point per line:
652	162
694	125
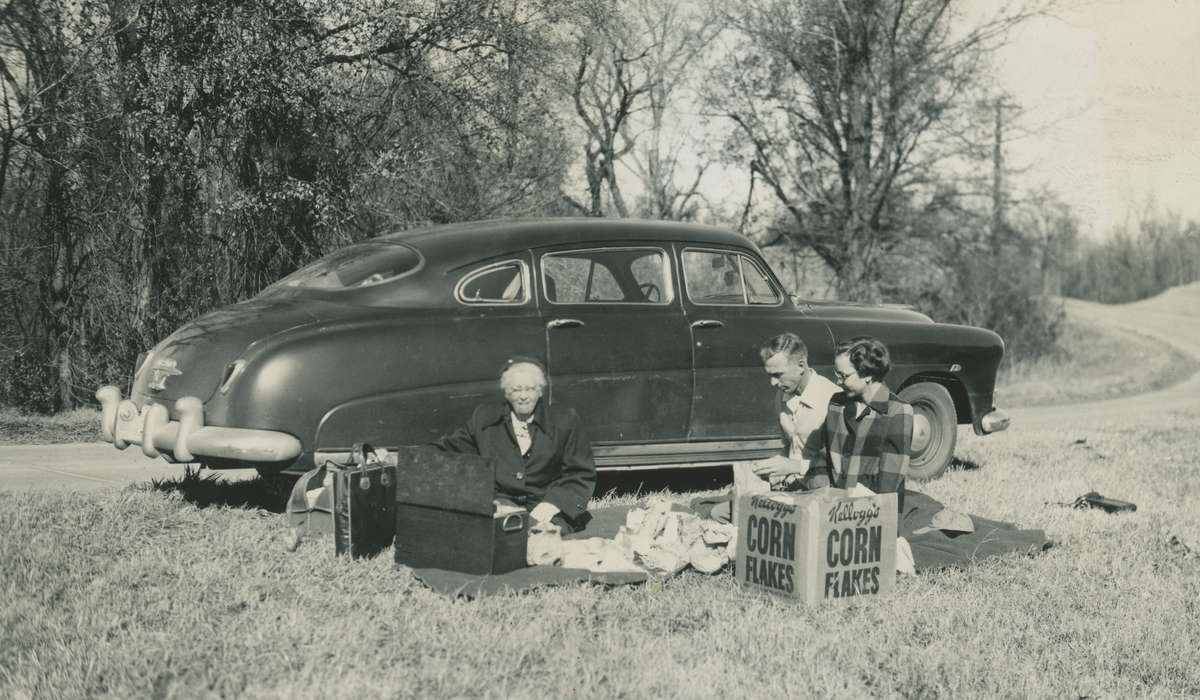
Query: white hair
506	376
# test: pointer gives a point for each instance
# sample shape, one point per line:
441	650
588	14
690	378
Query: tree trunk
149	249
59	311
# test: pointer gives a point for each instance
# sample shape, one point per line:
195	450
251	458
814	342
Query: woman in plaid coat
868	430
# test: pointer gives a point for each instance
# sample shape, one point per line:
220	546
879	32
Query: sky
1111	93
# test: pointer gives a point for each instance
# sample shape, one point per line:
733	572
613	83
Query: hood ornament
160	371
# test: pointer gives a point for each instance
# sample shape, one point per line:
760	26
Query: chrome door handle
708	323
565	323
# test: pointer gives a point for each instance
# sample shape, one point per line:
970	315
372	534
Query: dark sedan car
649	329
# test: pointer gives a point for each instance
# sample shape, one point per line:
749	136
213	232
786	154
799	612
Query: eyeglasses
843	377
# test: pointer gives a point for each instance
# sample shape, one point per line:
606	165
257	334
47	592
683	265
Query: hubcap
922	433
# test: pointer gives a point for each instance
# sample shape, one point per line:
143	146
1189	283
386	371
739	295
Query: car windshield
359	265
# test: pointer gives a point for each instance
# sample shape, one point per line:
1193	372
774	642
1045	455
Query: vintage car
651	330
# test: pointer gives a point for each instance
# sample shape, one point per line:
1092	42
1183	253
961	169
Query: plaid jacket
873	449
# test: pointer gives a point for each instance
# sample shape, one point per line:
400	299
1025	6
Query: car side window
759	289
607	276
499	283
723	278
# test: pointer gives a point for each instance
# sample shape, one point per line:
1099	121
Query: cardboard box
817	546
446	515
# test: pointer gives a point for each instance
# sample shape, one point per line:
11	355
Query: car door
734	306
617	341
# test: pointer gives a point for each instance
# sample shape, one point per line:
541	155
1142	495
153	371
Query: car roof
477	240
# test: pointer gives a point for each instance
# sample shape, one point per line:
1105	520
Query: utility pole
999	186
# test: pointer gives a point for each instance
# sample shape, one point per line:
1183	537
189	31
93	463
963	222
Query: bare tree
1052	229
633	60
669	159
834	103
609	84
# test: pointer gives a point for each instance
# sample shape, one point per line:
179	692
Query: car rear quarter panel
398	378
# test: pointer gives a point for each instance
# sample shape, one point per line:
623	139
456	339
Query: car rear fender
962	401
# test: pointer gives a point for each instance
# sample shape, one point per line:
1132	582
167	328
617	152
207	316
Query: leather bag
364	503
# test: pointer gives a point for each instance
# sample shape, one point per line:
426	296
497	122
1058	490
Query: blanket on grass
931	550
605	522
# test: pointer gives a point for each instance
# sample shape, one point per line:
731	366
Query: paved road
85	466
1173	317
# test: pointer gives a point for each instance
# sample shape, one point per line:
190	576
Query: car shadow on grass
204	490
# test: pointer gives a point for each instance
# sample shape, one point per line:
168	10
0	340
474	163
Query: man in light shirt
802	401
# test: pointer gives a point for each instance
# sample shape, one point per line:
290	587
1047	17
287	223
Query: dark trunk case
429	538
445	515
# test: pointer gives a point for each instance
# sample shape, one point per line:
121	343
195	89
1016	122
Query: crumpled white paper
655	539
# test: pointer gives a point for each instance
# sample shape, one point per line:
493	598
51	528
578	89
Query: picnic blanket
931	550
605	522
936	549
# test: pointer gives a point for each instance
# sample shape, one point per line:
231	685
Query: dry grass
1093	362
21	428
184	590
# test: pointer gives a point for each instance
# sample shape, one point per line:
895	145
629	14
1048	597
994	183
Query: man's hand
544	512
778	466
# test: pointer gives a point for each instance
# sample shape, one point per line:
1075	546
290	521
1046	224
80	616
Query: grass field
22	428
186	590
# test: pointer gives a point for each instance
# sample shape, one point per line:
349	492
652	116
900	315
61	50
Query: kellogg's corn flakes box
817	546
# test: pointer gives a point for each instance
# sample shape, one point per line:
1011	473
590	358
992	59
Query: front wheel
935	429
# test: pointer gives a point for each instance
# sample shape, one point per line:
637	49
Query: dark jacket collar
500	411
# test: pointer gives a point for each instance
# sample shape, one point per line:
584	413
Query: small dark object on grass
1180	547
1092	499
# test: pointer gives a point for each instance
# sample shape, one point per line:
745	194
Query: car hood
193	359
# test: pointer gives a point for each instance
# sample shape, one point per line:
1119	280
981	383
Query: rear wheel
935	429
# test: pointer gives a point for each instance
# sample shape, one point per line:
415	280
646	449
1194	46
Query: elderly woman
543	461
868	430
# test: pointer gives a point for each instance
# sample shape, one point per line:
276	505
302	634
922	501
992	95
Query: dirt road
1173	318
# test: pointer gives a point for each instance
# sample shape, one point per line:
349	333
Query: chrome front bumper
994	422
186	439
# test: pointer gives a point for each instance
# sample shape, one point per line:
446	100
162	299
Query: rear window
359	265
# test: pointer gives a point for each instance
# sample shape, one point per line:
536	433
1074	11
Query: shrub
973	283
26	381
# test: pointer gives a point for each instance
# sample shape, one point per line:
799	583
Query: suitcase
446	515
364	503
